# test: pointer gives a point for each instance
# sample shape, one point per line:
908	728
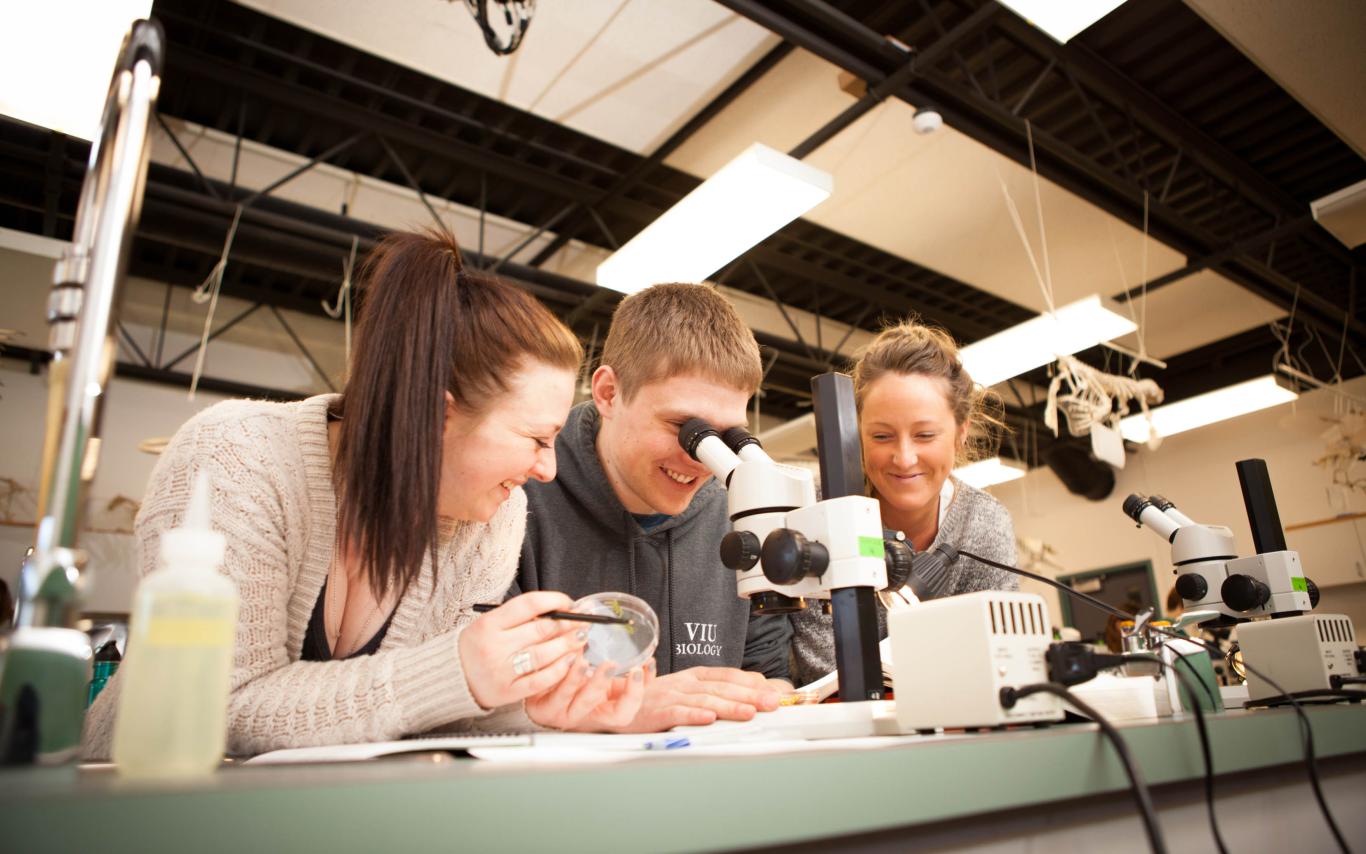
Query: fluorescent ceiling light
1034	343
56	59
1344	214
984	473
1208	408
751	197
1062	19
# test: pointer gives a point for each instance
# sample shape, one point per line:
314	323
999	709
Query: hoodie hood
580	473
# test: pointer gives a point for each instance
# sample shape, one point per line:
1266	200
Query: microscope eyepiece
1160	503
693	431
738	437
1134	506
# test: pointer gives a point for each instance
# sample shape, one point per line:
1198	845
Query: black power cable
1306	729
1205	749
1085	597
1072	663
1314	694
1306	735
1009	696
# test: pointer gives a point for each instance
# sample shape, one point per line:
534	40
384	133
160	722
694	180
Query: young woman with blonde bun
920	415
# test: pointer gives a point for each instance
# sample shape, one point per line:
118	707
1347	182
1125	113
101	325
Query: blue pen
668	743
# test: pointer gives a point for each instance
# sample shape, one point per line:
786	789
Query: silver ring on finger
522	663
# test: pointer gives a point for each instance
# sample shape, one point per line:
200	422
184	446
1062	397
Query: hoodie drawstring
631	557
669	589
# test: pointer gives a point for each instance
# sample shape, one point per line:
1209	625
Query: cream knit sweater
273	500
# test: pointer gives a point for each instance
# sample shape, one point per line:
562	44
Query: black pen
482	608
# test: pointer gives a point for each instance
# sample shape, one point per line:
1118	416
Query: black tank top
316	647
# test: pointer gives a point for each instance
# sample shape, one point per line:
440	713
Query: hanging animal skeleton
1089	397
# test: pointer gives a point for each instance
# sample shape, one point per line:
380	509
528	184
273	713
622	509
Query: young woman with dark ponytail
362	527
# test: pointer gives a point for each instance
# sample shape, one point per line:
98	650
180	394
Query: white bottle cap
194	542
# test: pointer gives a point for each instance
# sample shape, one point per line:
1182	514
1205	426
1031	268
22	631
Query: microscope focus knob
1244	593
900	558
740	550
789	557
1313	590
1192	586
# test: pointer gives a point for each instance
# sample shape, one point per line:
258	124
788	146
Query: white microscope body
784	545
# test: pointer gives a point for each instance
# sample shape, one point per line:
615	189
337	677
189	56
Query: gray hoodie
581	540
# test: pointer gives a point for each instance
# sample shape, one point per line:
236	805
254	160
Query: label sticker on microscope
1297	582
871	547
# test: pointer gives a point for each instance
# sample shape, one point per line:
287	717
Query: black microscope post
854	608
1260	501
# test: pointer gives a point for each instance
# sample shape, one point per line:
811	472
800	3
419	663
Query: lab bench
999	788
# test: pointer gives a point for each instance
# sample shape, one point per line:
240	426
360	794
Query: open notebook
375	750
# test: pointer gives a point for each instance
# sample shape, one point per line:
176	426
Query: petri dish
627	646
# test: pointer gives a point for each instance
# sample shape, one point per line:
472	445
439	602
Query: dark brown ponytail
425	326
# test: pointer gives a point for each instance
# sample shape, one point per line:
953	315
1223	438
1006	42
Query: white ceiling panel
1314	50
626	71
1195	311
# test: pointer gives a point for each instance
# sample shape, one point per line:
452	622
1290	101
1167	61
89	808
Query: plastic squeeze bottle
172	715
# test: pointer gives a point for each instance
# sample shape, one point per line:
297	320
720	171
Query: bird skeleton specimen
1094	397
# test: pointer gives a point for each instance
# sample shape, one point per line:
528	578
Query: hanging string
1044	276
343	305
1141	322
1038	208
1024	241
208	292
1143	287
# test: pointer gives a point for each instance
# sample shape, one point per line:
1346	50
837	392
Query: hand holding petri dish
627	646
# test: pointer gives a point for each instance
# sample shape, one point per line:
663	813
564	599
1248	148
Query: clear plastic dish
626	646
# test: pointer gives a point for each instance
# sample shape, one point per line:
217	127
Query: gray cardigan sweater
974	521
274	500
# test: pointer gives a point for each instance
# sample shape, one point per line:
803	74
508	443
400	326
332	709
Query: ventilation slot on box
1004	620
1343	630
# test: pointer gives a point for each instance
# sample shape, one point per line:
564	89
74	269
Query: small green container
107	661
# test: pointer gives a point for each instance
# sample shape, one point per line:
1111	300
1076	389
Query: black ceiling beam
1161	120
276	236
340	111
1242	247
160	376
274	56
879	90
864	53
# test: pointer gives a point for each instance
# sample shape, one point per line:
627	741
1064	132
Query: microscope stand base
832	720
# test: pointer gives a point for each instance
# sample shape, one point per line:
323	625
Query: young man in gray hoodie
630	511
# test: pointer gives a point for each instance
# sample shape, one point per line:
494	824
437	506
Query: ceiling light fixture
1034	343
751	197
56	74
984	473
1208	408
1062	20
1344	214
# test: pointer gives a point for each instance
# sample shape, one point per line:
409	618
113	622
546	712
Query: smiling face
638	441
910	439
487	455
